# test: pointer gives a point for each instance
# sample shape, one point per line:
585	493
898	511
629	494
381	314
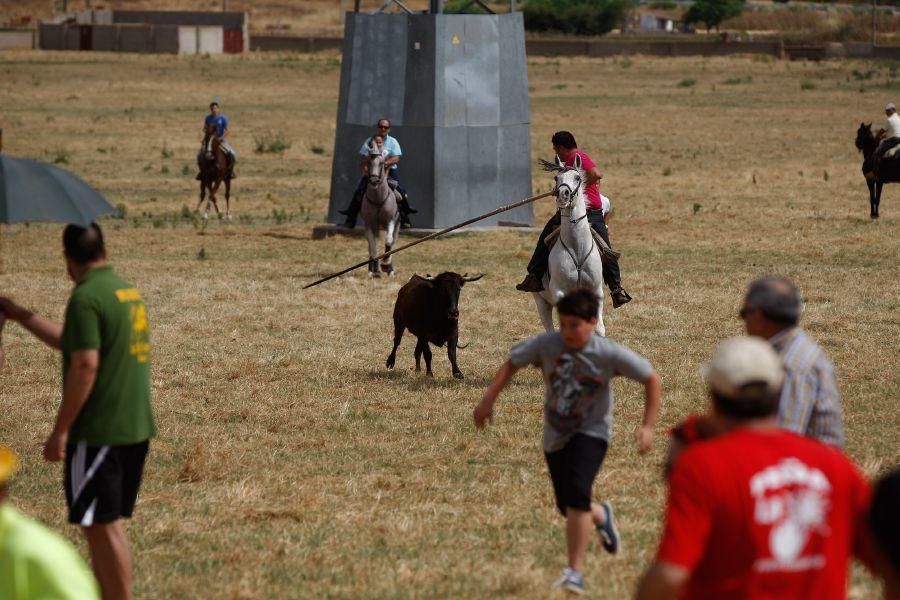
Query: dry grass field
290	463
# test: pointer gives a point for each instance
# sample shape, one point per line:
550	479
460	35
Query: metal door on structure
84	37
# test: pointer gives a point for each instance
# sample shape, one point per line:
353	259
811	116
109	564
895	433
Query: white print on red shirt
793	499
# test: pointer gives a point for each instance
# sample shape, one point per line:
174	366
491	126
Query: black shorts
102	482
573	469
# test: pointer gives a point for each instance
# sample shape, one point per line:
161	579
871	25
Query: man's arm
391	160
484	411
43	329
826	423
593	175
652	393
662	581
80	380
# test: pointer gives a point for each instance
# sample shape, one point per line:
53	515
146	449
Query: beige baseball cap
740	361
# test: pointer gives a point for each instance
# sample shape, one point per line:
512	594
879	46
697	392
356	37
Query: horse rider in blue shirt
221	122
392	147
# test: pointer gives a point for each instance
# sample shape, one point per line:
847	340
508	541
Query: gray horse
575	259
379	210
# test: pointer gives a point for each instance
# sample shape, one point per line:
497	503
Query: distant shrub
685	83
121	210
271	143
317	149
166	152
61	156
583	17
712	12
807	85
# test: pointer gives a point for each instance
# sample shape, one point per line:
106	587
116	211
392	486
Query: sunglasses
384	127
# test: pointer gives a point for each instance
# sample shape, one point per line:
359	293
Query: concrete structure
17	38
455	88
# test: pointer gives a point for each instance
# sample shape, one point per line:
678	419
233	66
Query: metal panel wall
456	90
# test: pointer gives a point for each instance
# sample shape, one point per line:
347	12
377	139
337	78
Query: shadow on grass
418	381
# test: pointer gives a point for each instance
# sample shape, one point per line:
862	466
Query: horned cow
429	308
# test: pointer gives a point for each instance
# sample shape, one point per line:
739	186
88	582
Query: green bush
583	17
274	143
712	12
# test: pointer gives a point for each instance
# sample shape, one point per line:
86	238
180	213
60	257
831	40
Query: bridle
372	181
572	194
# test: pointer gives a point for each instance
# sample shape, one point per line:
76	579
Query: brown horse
213	172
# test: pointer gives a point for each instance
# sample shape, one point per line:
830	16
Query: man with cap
36	562
890	134
105	421
810	403
757	512
393	152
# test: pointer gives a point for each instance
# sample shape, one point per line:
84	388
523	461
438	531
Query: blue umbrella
37	191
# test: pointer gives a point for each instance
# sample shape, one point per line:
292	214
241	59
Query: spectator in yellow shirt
34	561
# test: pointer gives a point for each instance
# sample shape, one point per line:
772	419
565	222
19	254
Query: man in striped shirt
810	403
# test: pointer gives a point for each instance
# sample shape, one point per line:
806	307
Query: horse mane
546	165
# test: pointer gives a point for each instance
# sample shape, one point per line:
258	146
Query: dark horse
213	172
886	171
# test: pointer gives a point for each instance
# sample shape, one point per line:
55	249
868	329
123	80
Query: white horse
379	210
575	258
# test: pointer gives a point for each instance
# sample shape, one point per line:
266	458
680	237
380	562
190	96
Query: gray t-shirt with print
579	396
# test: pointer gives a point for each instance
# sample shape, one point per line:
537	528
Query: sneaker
608	534
620	297
530	284
571	581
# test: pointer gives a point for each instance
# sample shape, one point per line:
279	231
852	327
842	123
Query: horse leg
545	312
601	328
228	199
202	195
373	264
212	197
386	265
873	213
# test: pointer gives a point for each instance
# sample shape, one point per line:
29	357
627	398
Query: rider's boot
352	211
405	210
620	297
531	283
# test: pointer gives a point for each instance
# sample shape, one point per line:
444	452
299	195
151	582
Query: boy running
578	365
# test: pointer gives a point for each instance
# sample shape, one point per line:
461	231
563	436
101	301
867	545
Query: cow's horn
473	278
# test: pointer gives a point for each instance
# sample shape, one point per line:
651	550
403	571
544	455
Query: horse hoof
458	375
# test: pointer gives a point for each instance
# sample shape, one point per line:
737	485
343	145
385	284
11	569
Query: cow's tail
462	346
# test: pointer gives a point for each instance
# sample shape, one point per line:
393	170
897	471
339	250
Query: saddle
606	253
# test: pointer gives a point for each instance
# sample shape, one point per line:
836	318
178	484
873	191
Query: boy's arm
652	393
484	410
43	329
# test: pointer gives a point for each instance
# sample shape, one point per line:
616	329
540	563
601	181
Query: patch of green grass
686	83
270	143
806	84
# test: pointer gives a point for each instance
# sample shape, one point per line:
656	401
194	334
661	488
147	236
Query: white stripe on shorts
84	479
88	519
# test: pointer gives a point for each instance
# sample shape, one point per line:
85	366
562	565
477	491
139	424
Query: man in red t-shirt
567	150
758	512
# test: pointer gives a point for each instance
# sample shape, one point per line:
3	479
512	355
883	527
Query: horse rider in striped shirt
810	403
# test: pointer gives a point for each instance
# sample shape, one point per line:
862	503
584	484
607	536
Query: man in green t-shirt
36	562
105	420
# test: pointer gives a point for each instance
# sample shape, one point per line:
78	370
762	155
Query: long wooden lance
431	236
